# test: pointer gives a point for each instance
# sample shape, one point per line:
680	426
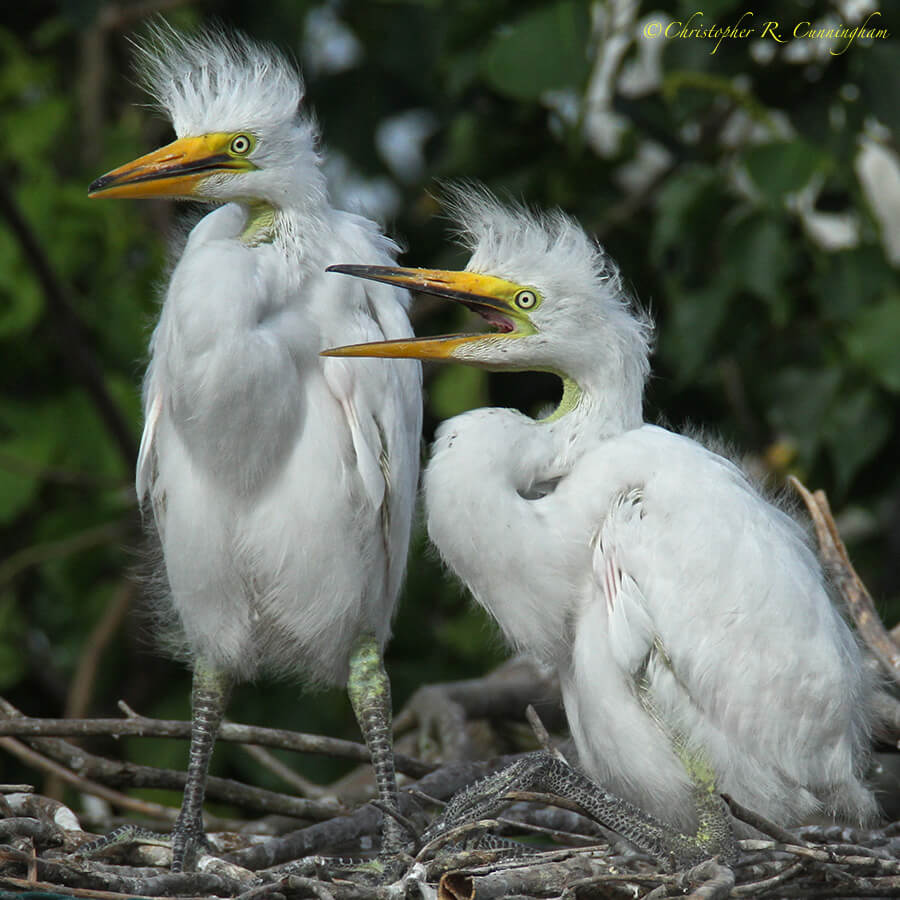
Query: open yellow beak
172	171
489	296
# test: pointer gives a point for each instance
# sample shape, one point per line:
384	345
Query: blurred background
749	190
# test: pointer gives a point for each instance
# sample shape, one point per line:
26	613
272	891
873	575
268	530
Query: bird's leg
370	696
543	773
714	834
209	695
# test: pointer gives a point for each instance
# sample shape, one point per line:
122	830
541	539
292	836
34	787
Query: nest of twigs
290	844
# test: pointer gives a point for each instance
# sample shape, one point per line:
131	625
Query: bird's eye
525	299
240	144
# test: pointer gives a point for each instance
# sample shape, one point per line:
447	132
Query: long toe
189	842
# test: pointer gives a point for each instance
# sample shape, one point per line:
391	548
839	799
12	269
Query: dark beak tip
352	269
97	185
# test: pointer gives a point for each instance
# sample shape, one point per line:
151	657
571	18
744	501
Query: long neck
590	412
297	223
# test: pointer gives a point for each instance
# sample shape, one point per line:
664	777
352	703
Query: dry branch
140	726
856	596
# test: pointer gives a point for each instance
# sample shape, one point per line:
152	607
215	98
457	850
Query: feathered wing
723	600
153	403
382	403
621	741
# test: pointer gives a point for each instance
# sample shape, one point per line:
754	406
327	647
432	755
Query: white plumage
281	484
267	468
687	616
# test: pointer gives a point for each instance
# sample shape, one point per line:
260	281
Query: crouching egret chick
280	485
696	642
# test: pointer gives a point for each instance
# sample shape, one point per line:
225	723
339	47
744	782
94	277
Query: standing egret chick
280	485
696	642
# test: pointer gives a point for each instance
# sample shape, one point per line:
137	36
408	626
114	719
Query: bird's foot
123	836
546	774
482	799
373	872
189	842
194	844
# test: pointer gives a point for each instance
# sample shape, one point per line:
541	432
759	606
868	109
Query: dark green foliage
788	348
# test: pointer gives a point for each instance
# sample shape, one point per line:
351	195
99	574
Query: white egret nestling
689	620
280	485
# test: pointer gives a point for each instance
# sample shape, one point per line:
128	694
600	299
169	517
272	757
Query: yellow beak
172	171
489	296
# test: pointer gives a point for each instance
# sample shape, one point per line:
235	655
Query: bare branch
36	554
269	761
856	596
142	726
41	763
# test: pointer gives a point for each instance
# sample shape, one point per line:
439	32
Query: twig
549	799
883	866
76	543
91	770
79	695
273	764
52	889
537	877
58	475
365	821
44	833
541	733
116	17
716	880
567	838
298	882
765	885
405	823
142	726
760	823
254	800
856	596
41	763
455	834
503	694
145	882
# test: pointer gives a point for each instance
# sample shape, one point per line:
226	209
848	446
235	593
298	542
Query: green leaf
757	255
873	339
857	427
542	51
712	10
685	200
803	398
852	280
782	167
693	321
880	79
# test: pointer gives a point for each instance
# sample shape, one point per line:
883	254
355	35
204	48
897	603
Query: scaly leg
209	695
543	773
370	697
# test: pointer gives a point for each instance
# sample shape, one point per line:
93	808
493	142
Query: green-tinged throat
260	225
571	397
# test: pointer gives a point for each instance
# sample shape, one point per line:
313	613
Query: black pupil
525	299
240	144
